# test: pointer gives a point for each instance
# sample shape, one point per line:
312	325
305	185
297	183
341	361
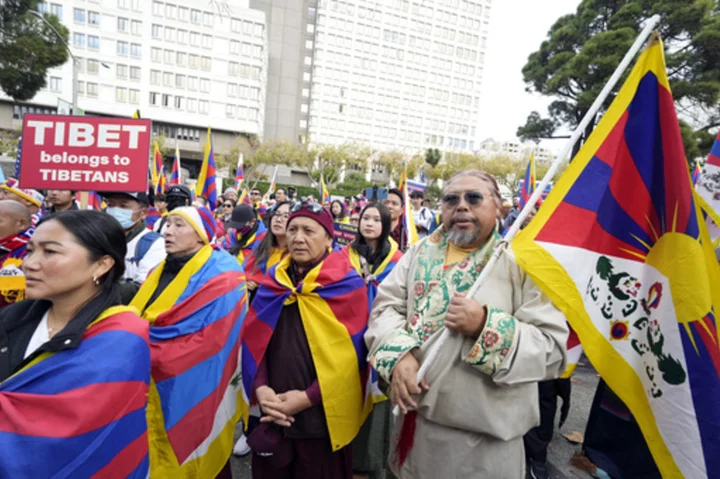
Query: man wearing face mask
245	232
145	248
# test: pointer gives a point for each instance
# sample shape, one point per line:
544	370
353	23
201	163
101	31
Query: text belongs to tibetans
85	153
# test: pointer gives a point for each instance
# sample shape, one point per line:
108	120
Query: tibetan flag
333	305
230	242
157	165
176	176
324	193
528	187
416	186
408	217
152	217
195	394
244	198
620	247
161	186
206	184
696	174
94	201
239	174
81	412
708	189
271	189
255	270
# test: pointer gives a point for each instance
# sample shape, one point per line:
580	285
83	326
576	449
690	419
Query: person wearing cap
244	233
177	196
32	199
15	231
61	200
301	361
145	248
195	302
231	194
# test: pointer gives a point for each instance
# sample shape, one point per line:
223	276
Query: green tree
29	48
583	49
353	184
260	163
332	160
433	157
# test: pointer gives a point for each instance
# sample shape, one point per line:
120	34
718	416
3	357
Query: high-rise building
185	64
401	74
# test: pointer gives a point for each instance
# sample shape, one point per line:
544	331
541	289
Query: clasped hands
465	316
280	408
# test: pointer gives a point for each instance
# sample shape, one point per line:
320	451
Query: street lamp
75	60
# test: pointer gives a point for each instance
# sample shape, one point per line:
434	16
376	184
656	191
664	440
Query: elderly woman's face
306	240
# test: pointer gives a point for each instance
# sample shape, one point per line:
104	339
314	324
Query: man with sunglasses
468	415
256	200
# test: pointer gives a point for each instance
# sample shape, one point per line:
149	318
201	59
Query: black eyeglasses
227	206
307	205
473	198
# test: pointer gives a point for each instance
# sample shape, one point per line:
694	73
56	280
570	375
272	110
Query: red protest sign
85	153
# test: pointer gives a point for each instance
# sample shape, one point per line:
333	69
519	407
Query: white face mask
123	215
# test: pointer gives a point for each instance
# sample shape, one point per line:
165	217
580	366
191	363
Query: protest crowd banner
68	152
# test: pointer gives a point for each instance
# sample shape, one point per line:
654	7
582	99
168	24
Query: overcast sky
517	27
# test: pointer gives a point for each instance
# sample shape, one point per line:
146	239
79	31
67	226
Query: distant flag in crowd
408	218
271	189
708	190
176	176
620	247
528	187
95	202
696	173
239	173
136	114
161	186
422	175
156	165
244	198
206	185
324	193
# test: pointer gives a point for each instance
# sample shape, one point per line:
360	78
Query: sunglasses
473	198
227	206
309	206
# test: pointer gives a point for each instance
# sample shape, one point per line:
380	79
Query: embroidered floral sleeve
392	349
494	343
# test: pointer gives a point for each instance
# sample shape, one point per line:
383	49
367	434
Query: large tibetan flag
206	185
81	412
333	305
324	193
176	175
239	173
620	247
708	188
408	217
528	187
195	394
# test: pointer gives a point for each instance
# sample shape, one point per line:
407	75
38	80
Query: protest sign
84	153
344	234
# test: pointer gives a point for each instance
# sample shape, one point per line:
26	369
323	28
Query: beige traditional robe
483	394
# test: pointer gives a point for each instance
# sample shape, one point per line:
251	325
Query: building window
135	97
170	10
183	14
154	77
121	95
169	34
258	29
230	111
55	84
136	27
233	68
194	39
135	73
194	61
169	57
236	25
136	50
191	105
165	100
123	25
93	42
81	87
157	9
195	16
79	15
181	59
203	106
56	10
207	19
93	66
205	63
179	103
232	89
156	54
124	4
121	71
204	85
154	98
94	18
182	36
92	89
167	79
207	41
156	31
192	83
180	81
234	47
79	40
123	48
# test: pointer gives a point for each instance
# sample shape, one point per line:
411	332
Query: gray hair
486	177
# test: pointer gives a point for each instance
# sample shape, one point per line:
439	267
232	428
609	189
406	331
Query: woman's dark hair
262	252
374	258
343	211
101	235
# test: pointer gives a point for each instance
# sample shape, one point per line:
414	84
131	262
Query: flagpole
559	160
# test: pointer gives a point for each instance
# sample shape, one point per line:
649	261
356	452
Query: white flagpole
559	160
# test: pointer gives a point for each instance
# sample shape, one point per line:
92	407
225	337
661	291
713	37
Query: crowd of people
124	310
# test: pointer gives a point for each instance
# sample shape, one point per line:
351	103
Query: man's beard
463	239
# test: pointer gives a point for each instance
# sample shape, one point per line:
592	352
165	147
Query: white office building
182	63
396	74
514	149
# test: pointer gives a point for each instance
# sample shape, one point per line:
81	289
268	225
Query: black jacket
19	321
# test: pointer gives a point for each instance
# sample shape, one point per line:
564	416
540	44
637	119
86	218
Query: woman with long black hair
74	363
374	254
272	248
339	212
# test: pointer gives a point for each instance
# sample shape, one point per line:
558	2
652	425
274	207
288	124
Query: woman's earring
96	281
